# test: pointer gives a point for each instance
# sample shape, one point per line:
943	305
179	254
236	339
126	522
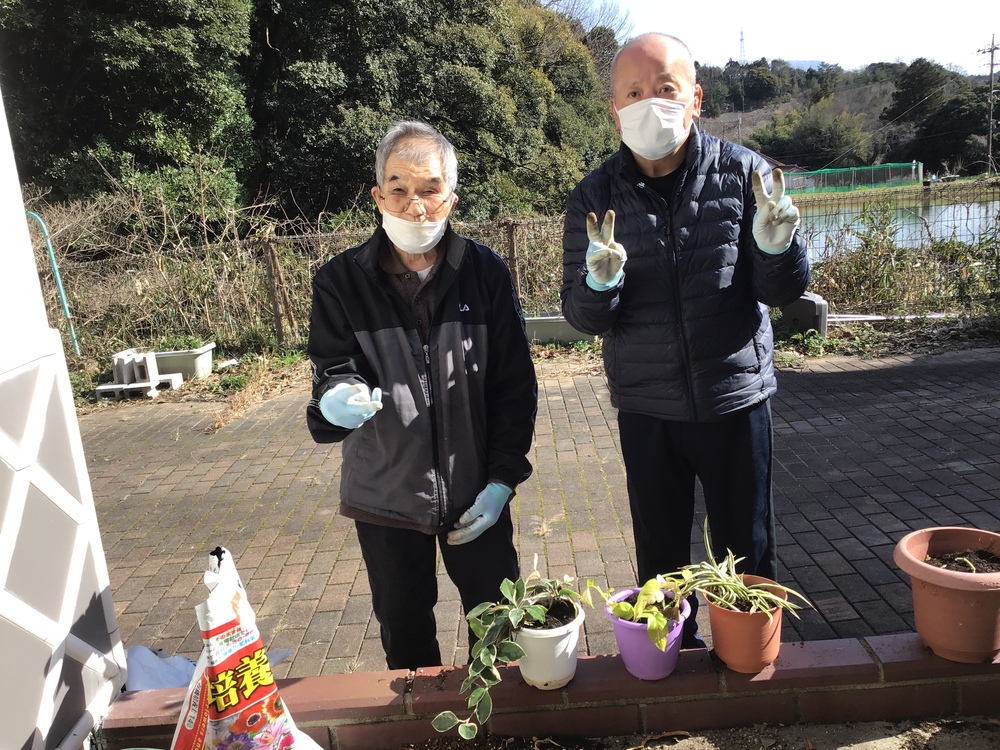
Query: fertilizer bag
233	700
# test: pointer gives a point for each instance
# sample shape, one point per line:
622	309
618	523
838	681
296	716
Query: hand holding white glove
777	218
350	406
483	513
605	257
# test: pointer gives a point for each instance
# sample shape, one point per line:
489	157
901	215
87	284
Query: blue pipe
55	274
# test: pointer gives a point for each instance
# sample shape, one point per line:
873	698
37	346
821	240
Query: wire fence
919	217
872	251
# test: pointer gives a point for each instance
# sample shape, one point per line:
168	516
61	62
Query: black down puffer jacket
687	335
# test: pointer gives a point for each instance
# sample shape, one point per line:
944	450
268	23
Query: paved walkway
864	452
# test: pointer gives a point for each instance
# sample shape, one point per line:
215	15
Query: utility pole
743	68
989	143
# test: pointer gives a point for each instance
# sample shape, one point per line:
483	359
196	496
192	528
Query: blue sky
860	33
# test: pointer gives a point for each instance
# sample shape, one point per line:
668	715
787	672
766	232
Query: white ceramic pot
549	660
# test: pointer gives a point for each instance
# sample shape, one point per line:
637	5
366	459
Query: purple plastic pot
642	659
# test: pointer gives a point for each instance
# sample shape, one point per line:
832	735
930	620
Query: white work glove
350	406
605	257
777	218
483	513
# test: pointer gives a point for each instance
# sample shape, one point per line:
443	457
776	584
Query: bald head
659	46
654	68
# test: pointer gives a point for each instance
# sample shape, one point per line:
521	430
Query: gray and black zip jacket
687	335
458	410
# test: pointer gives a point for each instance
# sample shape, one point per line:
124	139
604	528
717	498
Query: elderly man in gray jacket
677	279
421	366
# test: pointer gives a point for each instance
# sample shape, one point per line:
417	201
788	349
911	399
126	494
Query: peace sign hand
605	257
777	217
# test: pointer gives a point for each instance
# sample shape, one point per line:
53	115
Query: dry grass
262	382
566	361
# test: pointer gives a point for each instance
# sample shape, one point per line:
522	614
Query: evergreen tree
816	138
920	91
954	136
760	85
513	87
120	89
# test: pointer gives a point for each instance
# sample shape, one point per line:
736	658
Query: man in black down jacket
688	346
421	366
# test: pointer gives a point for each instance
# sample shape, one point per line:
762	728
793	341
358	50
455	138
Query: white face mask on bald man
414	237
653	128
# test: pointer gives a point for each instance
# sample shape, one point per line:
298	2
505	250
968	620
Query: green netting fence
852	178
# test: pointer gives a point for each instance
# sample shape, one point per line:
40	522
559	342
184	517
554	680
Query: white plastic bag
148	669
232	699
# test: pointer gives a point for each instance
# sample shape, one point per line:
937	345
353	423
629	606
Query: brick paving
865	450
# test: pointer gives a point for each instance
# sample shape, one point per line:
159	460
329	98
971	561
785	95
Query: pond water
832	226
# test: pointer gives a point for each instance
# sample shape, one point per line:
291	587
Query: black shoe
692	640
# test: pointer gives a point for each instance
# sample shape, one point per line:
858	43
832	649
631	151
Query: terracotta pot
746	641
549	660
957	615
641	657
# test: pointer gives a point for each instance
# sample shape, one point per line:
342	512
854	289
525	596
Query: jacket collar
368	256
630	171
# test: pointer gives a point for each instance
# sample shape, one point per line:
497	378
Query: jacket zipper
442	292
434	433
676	283
429	397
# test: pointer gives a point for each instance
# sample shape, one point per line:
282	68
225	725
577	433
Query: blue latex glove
483	513
605	257
350	406
777	218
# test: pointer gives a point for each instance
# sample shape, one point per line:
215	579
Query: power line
934	92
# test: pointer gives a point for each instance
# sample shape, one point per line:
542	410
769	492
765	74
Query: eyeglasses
430	204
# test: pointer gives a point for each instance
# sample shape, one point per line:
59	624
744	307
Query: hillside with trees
828	117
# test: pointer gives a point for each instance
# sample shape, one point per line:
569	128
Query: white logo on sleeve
463	308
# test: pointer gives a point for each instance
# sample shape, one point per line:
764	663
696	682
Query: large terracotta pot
549	660
640	655
957	615
746	641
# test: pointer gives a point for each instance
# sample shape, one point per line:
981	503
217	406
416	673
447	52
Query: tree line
285	101
217	105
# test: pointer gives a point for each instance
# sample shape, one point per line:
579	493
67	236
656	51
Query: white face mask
415	237
653	128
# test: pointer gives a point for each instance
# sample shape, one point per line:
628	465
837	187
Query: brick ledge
890	677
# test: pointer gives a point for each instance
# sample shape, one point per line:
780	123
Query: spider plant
721	584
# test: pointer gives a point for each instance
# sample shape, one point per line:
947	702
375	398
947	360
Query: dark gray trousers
402	572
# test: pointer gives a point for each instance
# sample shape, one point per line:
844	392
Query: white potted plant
536	624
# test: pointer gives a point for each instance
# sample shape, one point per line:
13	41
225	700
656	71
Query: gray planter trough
550	327
192	363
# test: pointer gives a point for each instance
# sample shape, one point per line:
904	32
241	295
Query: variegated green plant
657	602
524	602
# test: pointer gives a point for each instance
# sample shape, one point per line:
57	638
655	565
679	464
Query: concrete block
548	328
148	388
144	366
122	365
808	312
